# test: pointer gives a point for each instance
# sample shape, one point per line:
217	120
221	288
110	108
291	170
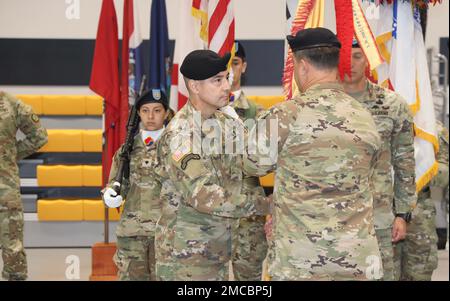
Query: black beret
152	96
313	38
240	51
355	43
203	64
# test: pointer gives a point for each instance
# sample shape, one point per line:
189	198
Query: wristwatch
406	216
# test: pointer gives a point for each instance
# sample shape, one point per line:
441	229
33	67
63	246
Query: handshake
111	197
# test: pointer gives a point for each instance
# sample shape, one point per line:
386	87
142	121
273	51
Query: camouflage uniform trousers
384	237
416	257
11	242
135	258
250	249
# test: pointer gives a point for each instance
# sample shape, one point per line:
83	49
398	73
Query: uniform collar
322	86
241	102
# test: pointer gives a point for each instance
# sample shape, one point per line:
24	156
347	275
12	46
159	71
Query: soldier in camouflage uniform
14	116
328	147
209	183
249	241
135	255
394	122
416	257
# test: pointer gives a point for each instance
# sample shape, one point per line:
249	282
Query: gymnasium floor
50	264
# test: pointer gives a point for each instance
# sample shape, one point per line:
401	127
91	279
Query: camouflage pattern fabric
142	209
210	204
416	257
395	125
249	241
323	226
135	258
14	116
384	238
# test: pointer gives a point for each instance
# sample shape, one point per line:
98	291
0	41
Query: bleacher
61	183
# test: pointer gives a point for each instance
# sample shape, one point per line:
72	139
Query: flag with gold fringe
400	39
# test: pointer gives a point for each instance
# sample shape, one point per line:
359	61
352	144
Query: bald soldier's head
316	56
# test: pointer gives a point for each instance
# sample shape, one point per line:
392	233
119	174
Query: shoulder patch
188	158
182	151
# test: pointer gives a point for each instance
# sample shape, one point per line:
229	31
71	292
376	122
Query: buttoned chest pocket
385	126
141	169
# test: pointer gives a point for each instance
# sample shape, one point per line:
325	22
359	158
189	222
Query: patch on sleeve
188	158
34	118
182	151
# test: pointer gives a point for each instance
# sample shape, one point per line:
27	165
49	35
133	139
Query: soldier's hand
111	198
398	229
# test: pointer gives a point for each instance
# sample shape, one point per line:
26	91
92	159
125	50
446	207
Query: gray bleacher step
62	192
66	234
73	122
29	203
82	158
28	183
27	168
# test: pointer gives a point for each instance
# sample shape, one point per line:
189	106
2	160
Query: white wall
438	22
255	19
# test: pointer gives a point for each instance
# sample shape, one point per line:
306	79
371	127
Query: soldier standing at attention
393	196
14	116
416	257
135	255
209	180
327	149
249	241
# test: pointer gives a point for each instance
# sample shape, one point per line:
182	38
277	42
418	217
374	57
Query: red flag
128	27
105	81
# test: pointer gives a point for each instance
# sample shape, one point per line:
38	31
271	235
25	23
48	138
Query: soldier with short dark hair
209	180
15	115
249	240
394	184
327	149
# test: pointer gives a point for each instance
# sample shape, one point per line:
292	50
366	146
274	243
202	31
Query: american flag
204	24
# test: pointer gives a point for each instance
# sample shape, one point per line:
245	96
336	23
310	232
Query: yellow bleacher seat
268	180
92	175
64	104
60	210
94	210
94	105
59	175
268	101
35	101
63	141
92	141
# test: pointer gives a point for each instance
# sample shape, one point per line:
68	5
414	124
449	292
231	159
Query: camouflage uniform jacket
142	207
395	125
15	115
328	147
247	109
208	183
441	179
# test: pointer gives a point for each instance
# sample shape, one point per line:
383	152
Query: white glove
110	197
228	110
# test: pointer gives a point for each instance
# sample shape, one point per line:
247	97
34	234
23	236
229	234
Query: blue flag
159	47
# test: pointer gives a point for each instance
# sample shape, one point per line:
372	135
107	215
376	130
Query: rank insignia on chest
146	163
